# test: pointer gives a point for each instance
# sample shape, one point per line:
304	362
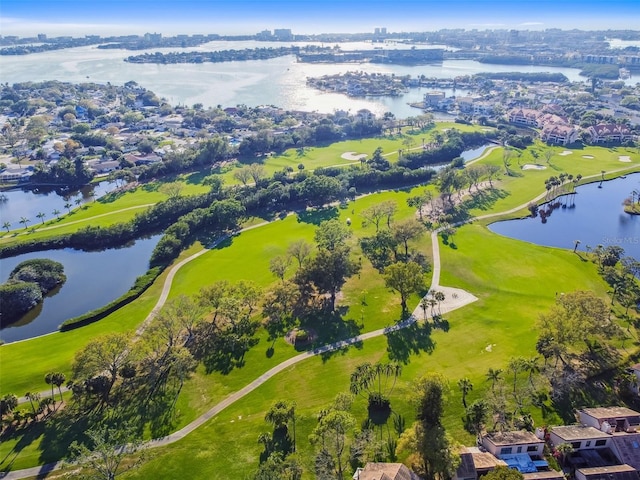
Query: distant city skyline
119	17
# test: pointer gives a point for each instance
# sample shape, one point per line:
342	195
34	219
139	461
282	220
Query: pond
29	202
595	216
93	280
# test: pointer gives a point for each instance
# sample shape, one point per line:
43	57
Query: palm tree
6	225
531	365
439	297
24	221
68	206
424	303
564	449
41	216
516	365
58	378
494	377
575	245
33	397
465	386
48	379
56	212
78	201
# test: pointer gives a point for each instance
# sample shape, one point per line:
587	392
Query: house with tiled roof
609	133
558	134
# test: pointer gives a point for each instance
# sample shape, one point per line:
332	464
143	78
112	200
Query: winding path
455	298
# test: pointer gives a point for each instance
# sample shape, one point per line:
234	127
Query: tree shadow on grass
317	216
408	341
333	329
484	199
151	187
61	430
111	197
26	435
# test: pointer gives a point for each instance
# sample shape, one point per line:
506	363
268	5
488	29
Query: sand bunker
532	166
354	156
588	156
624	158
565	153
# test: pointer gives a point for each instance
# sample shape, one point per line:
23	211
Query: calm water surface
595	217
93	279
29	202
279	81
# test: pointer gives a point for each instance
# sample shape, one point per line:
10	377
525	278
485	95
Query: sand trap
624	158
565	153
588	156
532	166
353	156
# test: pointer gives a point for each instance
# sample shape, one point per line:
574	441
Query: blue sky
79	17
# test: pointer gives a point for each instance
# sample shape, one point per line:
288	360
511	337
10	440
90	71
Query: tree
332	234
280	414
278	265
504	473
380	211
68	206
374	380
427	439
7	226
257	172
564	450
548	155
8	404
405	231
106	450
494	376
243	175
419	201
171	189
104	355
465	386
34	398
492	171
41	216
57	379
329	270
299	250
476	416
56	212
330	437
25	221
404	278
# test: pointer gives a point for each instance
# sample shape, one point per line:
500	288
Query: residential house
614	419
609	133
507	443
385	471
431	99
613	472
474	463
525	117
580	437
558	134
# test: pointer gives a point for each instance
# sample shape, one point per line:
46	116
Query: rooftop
571	433
386	471
544	475
609	412
615	471
512	438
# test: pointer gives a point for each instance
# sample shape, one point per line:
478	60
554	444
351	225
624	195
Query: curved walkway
454	298
88	219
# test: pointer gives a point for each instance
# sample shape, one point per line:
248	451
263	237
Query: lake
596	218
93	280
279	81
29	202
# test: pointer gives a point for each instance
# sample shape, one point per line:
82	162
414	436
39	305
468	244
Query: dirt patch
292	337
353	156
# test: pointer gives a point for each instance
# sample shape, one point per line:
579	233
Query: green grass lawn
108	210
523	185
514	281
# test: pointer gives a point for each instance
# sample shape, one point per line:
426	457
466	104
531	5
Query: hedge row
139	287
